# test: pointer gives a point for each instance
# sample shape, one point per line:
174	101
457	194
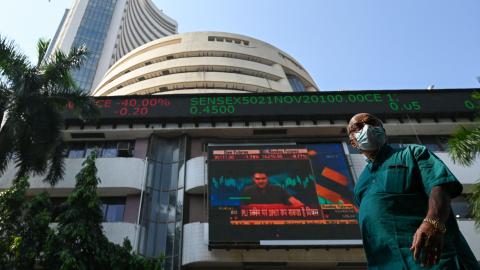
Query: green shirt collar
383	153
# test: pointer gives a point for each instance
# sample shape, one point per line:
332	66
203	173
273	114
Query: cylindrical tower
202	62
142	23
109	29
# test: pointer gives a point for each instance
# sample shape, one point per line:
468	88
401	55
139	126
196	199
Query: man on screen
262	192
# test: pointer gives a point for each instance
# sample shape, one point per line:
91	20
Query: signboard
319	105
277	193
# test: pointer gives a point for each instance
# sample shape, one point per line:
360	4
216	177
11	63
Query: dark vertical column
162	206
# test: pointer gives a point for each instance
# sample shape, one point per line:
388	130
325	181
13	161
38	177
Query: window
461	207
93	146
230	40
105	149
296	84
109	150
76	150
113	209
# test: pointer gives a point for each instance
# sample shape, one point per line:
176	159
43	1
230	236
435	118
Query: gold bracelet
436	223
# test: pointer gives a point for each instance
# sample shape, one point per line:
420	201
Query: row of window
92	31
108	149
230	40
113	208
105	149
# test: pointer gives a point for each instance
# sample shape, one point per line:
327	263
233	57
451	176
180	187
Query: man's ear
353	142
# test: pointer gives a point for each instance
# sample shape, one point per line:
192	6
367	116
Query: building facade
109	29
157	171
170	108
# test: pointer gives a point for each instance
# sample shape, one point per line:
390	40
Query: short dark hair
260	170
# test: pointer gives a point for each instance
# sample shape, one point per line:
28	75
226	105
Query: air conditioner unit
124	149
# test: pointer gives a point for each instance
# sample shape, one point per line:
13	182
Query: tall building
109	29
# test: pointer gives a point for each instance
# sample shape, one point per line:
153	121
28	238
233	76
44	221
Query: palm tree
464	148
32	100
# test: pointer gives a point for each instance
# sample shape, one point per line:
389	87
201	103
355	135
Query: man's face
356	124
260	180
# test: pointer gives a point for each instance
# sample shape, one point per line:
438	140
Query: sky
343	44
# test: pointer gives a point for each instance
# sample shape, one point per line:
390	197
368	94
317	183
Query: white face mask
370	137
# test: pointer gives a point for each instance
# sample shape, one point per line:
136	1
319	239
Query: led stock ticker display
280	192
274	105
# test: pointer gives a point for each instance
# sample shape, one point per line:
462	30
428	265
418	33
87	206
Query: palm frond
83	103
12	62
57	70
5	94
6	145
465	145
57	164
474	200
42	47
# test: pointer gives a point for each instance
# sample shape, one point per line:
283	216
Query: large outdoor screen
280	193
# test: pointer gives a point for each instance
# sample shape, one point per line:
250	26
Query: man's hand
427	244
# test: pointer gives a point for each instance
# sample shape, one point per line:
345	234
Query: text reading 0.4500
212	109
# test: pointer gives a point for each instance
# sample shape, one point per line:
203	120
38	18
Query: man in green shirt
403	197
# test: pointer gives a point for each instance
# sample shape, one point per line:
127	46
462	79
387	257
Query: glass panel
166	176
172	202
296	83
174	176
167	265
179	207
170	239
109	150
176	262
175	154
156	240
433	147
152	175
76	150
147	205
178	239
163	207
91	146
104	210
153	206
461	207
114	213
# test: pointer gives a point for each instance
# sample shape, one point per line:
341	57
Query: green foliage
79	242
24	226
11	202
32	99
474	200
464	148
